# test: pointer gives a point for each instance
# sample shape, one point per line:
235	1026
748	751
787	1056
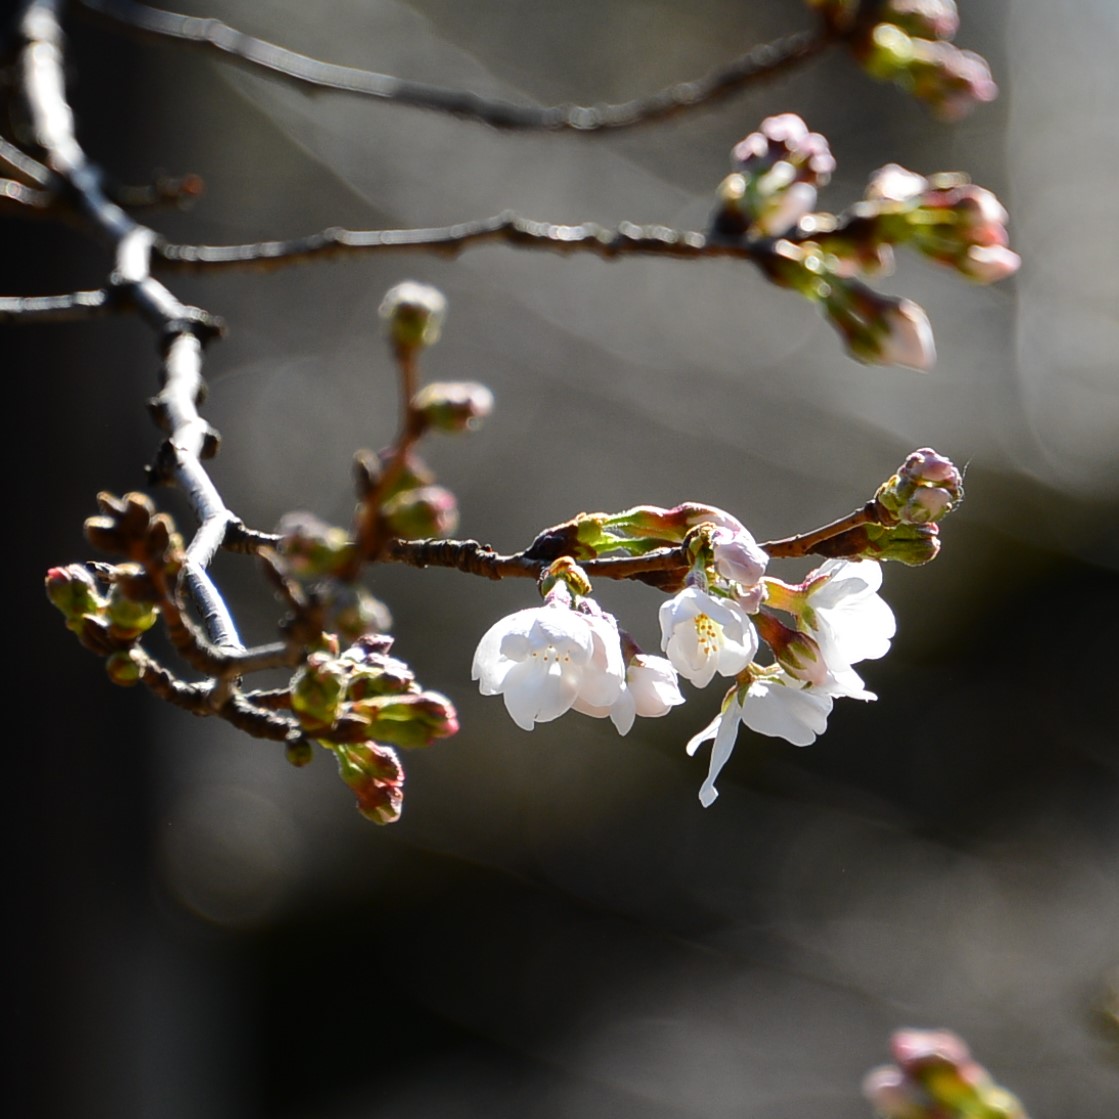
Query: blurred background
556	928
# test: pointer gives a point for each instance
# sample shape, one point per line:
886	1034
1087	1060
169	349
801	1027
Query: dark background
556	928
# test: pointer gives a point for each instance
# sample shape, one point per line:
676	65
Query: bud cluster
110	623
911	46
360	704
821	255
947	218
777	171
935	1077
926	488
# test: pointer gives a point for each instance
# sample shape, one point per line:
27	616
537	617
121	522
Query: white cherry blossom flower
703	635
542	660
779	706
845	614
650	689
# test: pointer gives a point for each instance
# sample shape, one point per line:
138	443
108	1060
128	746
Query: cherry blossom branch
812	543
211	35
184	329
473	558
507	228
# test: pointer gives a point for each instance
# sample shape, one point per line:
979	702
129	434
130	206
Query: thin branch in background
59	308
628	239
756	65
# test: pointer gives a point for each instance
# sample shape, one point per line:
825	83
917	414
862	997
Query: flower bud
386	676
912	545
414	314
937	1078
128	619
299	753
311	548
949	80
408	721
421	513
376	778
351	610
125	667
777	171
878	329
926	19
453	405
926	488
738	557
797	653
316	692
73	590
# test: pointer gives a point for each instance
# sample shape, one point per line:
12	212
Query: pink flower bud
989	264
376	778
925	465
738	556
908	340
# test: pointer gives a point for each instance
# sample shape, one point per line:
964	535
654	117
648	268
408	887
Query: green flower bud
311	548
376	778
422	513
125	667
912	545
316	692
414	314
352	611
128	619
453	405
73	590
408	721
299	753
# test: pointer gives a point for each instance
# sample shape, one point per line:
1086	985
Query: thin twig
212	35
628	239
808	543
58	308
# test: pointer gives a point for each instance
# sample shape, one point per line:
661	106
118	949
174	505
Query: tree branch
213	36
184	329
508	228
58	308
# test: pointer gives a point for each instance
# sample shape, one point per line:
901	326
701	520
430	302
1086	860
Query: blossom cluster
571	655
